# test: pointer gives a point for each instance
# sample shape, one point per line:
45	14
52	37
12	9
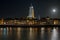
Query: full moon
54	10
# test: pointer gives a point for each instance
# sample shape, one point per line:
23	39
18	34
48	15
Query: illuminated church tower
31	12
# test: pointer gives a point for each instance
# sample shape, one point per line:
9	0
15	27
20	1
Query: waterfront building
31	15
1	21
31	12
56	21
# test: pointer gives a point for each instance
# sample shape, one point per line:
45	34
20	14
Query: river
30	33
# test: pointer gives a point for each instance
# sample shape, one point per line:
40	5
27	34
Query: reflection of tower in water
32	33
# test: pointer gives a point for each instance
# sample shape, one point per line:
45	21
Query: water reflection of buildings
30	33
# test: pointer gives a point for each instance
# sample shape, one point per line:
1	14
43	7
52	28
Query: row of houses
30	21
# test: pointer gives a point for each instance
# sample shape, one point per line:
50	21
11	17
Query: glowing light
30	29
42	34
19	29
54	10
1	28
42	29
54	34
31	6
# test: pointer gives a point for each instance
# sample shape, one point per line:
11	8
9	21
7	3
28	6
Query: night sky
20	8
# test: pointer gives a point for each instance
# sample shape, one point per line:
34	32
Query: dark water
30	33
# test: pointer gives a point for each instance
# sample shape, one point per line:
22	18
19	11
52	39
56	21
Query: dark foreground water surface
30	33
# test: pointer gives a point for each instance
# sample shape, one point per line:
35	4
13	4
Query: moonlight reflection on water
29	33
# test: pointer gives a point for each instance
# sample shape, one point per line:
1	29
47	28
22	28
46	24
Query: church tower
31	12
31	15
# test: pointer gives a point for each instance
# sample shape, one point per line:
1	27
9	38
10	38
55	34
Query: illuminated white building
31	12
